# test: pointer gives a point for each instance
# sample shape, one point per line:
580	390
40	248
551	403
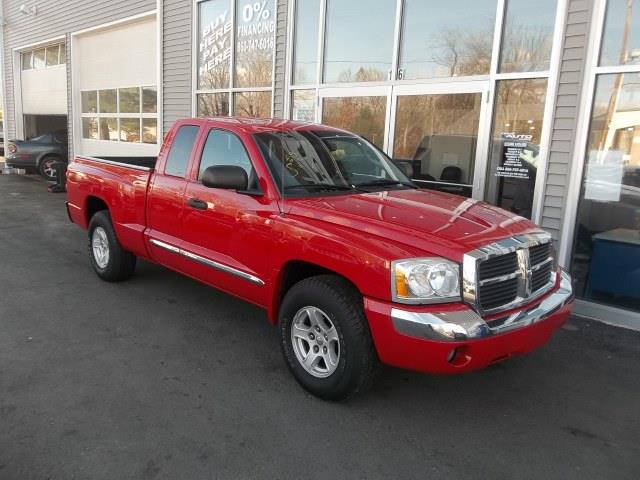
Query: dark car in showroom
40	154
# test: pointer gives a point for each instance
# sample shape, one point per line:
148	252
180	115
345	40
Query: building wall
177	17
566	113
56	18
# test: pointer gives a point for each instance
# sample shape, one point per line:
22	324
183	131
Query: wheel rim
315	342
49	168
100	247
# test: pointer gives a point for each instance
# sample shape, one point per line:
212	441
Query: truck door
165	199
228	233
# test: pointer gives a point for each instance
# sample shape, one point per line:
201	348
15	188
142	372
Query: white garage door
115	90
44	80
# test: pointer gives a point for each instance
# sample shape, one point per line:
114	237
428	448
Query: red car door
228	233
165	198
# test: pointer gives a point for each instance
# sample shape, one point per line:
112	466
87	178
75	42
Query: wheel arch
292	272
94	205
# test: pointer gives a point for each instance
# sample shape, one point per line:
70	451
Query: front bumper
454	338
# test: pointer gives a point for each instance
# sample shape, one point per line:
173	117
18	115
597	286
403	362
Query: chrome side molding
209	263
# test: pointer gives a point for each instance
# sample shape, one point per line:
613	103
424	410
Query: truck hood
429	221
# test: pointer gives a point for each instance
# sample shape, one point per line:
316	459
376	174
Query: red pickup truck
352	262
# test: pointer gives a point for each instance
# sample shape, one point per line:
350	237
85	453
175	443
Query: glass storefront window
214	44
439	41
358	40
305	49
436	139
303	105
255	41
362	115
515	145
606	256
252	104
621	34
213	104
527	35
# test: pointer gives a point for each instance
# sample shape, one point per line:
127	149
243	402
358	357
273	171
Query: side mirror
229	177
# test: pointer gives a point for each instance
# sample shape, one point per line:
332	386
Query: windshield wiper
320	186
385	183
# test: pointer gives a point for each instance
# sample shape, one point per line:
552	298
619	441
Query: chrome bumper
467	324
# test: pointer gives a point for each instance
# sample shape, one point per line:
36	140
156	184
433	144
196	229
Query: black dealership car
39	154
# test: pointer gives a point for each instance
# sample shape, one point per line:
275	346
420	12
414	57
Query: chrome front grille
508	273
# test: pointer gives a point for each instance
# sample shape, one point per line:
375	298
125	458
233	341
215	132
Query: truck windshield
308	163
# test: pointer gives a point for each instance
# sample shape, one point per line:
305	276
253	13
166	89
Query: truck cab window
225	148
178	158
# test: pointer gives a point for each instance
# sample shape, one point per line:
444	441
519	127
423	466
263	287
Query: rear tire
325	338
109	260
47	168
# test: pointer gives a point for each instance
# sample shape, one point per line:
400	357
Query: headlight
425	280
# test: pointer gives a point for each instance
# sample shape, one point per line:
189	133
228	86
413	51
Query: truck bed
121	183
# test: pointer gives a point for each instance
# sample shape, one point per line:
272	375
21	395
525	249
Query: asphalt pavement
164	378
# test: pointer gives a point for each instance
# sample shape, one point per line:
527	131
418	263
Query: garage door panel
44	91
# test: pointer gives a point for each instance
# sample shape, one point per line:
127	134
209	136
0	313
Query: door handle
197	204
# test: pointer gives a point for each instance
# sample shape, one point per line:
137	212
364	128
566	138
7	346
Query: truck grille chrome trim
508	273
469	325
207	262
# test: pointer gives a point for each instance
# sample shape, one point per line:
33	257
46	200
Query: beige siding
176	60
566	111
56	18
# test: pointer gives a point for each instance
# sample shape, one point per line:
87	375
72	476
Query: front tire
109	260
325	338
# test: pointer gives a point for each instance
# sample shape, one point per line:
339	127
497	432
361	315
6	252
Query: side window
178	158
224	148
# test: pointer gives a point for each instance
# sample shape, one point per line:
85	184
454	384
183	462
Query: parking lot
162	377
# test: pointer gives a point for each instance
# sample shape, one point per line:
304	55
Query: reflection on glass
26	61
90	102
150	130
109	129
436	139
305	51
528	34
129	100
149	100
90	128
358	40
362	115
108	101
517	127
63	54
252	104
214	44
39	58
255	40
213	105
303	105
606	256
130	130
621	34
52	55
446	42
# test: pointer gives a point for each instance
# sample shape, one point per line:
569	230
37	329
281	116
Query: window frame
118	116
46	47
231	89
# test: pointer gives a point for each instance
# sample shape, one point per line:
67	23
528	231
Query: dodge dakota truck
353	262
